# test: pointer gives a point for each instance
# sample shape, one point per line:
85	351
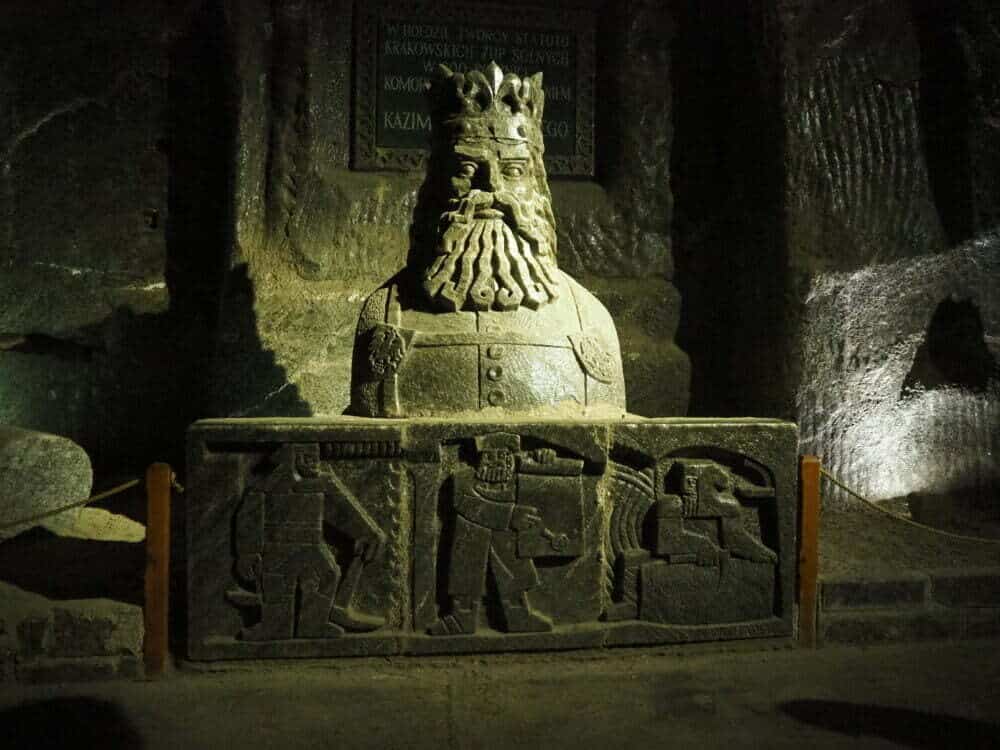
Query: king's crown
487	104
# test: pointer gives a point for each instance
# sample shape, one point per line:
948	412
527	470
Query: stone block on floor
966	588
901	590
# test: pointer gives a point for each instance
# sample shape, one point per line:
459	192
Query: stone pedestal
350	536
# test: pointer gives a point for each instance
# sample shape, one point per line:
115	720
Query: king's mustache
491	255
479	204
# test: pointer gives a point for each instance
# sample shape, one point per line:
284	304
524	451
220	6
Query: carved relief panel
423	537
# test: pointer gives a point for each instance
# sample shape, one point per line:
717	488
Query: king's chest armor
469	361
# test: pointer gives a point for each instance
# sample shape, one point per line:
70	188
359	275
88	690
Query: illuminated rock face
510	503
900	391
482	319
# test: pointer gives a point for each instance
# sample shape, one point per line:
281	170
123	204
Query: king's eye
466	169
513	171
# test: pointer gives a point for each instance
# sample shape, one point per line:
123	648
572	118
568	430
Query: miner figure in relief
282	552
482	320
510	507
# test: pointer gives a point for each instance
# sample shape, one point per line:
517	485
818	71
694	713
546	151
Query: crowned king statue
481	321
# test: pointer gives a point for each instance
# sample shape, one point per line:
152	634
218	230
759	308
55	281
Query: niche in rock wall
954	352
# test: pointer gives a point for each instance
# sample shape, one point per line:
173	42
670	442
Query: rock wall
90	347
901	391
46	641
892	243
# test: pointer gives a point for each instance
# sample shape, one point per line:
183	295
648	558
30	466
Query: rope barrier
174	484
904	519
93	498
179	488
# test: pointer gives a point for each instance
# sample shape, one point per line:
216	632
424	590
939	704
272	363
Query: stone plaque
350	536
400	44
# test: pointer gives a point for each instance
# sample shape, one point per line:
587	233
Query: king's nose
488	178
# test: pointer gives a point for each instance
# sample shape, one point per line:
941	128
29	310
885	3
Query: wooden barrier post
809	468
158	481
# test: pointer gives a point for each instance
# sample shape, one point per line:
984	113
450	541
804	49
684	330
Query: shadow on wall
899	393
955	361
220	361
247	379
243	379
69	722
954	352
68	572
231	373
944	103
728	177
903	726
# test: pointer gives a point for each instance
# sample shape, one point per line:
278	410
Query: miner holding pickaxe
281	550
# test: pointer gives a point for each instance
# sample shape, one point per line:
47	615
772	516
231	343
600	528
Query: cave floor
754	695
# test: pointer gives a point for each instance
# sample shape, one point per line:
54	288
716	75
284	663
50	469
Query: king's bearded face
496	241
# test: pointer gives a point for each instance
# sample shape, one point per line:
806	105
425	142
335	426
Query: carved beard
499	259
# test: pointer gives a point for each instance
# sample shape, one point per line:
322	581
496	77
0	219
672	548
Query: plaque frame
368	155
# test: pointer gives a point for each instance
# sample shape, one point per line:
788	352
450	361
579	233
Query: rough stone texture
890	627
386	530
934	604
966	588
39	473
47	641
32	635
884	580
97	524
976	33
892	254
84	125
939	695
898	591
781	131
858	176
886	415
735	115
308	372
267	192
96	628
735	595
861	543
646	312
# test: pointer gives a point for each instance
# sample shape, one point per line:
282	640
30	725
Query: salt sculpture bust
512	504
482	320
